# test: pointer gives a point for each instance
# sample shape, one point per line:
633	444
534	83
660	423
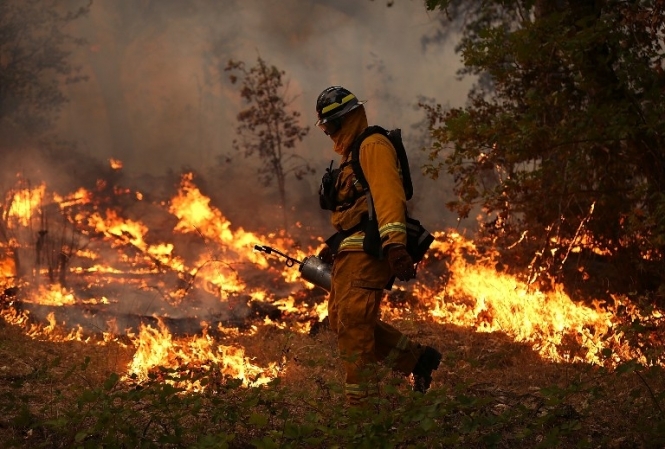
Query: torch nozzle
265	249
268	250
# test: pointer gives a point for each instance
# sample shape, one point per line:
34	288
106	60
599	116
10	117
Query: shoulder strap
355	153
395	137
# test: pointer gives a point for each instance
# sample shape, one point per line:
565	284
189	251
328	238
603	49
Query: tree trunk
281	186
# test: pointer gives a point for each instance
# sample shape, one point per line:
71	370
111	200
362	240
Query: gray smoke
158	100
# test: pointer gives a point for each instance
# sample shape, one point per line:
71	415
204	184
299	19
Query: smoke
158	99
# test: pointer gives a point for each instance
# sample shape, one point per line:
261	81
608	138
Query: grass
488	392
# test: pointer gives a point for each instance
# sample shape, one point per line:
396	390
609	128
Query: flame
154	347
53	295
196	215
50	332
458	285
114	226
23	204
116	164
81	196
475	295
7	268
125	231
158	348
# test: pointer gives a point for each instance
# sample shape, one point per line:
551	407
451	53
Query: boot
422	373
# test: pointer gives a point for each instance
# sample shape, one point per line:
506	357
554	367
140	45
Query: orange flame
157	347
23	204
196	215
477	296
7	268
473	295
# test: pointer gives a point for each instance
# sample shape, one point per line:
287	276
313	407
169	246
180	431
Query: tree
34	62
267	129
570	124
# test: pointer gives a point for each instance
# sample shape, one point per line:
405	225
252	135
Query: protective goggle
330	127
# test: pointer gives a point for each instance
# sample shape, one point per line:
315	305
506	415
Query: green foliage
34	61
563	134
226	415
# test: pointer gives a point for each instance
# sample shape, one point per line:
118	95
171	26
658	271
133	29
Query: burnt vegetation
559	150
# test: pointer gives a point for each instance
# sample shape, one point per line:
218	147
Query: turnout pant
358	281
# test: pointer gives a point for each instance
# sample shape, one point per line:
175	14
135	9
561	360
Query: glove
401	263
326	255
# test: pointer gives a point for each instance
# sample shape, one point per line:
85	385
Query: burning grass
165	328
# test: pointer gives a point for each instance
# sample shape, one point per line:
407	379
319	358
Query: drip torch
312	269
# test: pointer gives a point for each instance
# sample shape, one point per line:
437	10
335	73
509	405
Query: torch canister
317	272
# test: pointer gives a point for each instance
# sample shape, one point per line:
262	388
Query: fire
116	164
7	268
196	215
202	269
477	296
215	271
217	277
125	231
23	204
157	347
81	196
50	331
114	226
53	295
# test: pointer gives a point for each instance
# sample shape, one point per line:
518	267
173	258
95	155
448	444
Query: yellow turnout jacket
379	163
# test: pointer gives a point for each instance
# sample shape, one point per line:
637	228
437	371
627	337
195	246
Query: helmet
333	103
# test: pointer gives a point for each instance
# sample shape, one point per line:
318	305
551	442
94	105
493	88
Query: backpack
418	239
395	137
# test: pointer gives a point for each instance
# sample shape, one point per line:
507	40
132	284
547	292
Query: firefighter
359	278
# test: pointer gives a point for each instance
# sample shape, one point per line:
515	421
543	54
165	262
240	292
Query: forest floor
597	409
